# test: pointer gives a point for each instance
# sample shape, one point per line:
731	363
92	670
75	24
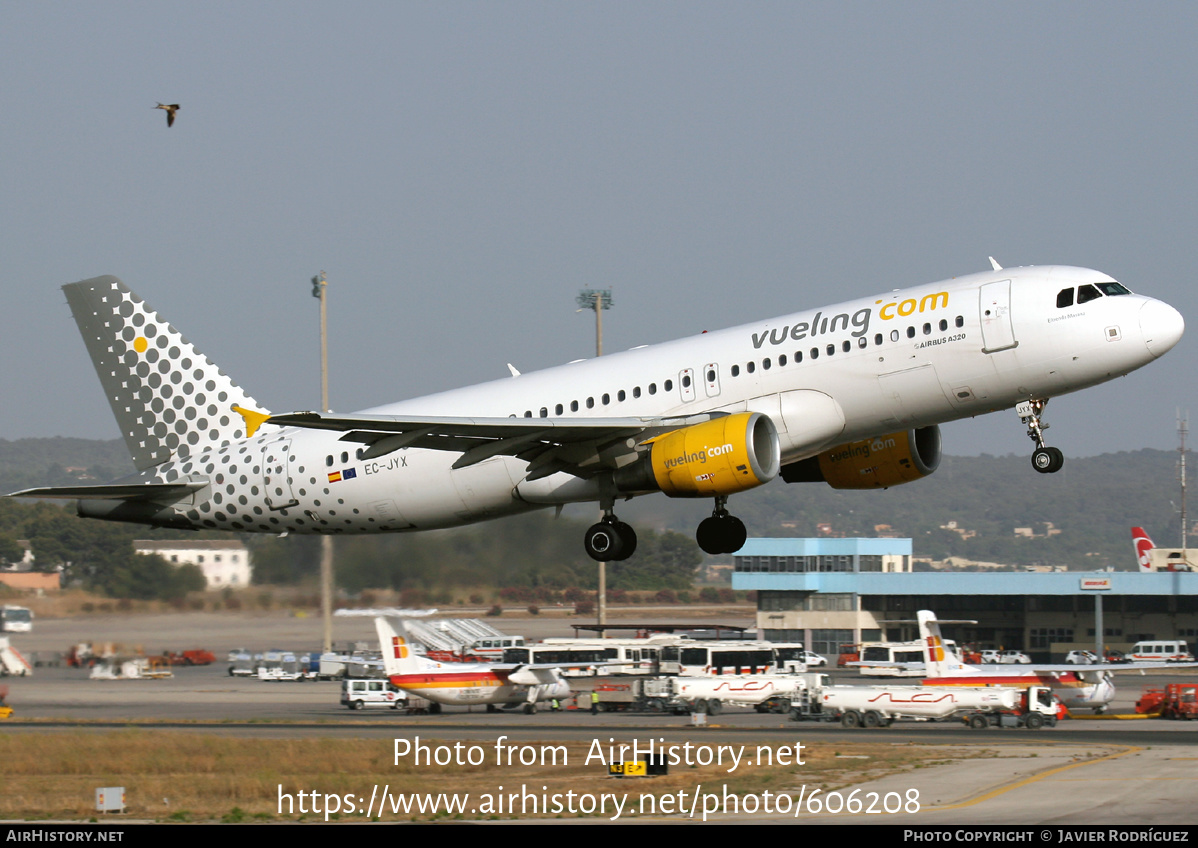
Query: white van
1160	650
360	693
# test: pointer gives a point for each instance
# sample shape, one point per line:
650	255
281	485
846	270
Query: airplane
1086	687
1174	560
851	395
466	684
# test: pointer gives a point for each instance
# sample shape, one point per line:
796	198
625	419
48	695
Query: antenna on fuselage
994	264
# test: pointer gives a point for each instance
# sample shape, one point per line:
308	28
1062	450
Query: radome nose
1161	325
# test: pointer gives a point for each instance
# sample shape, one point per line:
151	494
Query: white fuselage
855	370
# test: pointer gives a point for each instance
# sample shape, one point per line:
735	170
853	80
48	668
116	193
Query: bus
893	652
611	656
15	619
694	659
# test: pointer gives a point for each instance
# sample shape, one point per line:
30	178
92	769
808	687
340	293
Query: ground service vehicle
1176	701
1037	707
710	694
359	694
14	619
1160	650
880	706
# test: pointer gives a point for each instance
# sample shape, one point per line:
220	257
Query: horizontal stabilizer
164	492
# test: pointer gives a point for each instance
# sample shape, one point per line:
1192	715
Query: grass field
204	777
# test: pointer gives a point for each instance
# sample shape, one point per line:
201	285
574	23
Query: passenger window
573	406
798	356
815	353
943	325
558	410
910	332
751	367
528	413
606	399
686	381
877	338
765	363
831	349
1064	298
735	370
782	361
636	391
894	335
1087	293
927	329
620	396
653	388
846	345
960	322
862	342
669	385
544	412
590	403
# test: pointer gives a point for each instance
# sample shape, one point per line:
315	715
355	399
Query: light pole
598	299
320	286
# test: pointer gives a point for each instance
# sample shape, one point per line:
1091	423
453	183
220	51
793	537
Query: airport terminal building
828	592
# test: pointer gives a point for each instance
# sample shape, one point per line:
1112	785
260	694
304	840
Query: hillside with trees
1090	504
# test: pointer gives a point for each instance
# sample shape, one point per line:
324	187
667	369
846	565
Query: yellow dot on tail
140	344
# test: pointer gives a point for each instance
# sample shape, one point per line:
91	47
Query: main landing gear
611	540
1045	460
721	533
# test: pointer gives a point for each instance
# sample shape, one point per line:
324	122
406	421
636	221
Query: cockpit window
1064	298
1112	289
1087	293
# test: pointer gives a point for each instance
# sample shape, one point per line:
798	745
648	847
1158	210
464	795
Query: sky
461	171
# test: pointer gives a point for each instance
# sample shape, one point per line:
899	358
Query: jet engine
877	463
716	458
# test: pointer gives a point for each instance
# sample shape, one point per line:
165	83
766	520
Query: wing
163	492
580	446
1093	667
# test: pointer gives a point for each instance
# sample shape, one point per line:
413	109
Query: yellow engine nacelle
877	463
723	456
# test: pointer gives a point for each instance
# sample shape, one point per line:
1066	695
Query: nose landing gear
1044	459
721	533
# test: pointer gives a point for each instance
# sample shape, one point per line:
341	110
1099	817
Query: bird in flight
170	112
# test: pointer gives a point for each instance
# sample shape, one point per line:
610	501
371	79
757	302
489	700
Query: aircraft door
711	379
276	475
686	384
995	306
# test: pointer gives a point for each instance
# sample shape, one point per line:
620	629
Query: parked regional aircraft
1174	560
850	394
1088	687
466	684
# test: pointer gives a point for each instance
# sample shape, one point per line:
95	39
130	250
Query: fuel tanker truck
978	706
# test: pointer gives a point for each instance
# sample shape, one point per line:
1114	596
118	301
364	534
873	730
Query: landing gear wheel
603	542
721	533
530	709
627	538
434	709
1048	460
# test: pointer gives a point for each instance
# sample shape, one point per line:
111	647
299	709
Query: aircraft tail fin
398	656
939	661
168	398
1143	545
